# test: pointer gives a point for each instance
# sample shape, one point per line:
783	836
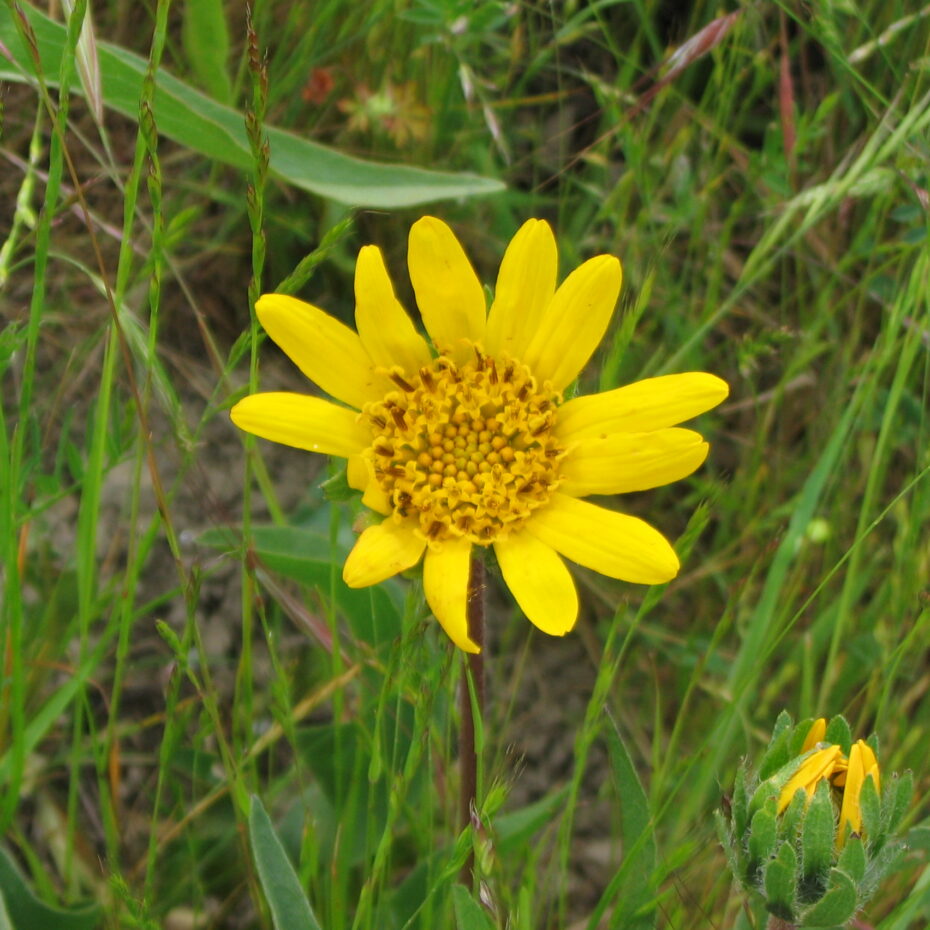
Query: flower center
466	450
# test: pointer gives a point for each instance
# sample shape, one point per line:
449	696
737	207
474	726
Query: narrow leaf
781	882
633	890
218	132
818	836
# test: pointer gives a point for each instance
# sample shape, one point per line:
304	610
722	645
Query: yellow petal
870	764
323	348
539	581
381	552
813	769
449	294
303	422
646	405
631	461
574	322
445	584
850	811
387	333
614	544
525	285
357	473
815	734
374	498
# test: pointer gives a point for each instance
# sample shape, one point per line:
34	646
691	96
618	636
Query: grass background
175	635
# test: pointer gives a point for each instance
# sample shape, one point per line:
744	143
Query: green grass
162	688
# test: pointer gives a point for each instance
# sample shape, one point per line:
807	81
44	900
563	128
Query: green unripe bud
812	829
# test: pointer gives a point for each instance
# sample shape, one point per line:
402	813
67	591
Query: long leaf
290	909
22	909
632	889
218	132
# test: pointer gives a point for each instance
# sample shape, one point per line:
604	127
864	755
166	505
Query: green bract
788	847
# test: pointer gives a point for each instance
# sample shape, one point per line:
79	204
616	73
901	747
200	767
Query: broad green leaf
290	909
374	613
218	132
514	830
22	910
469	915
339	755
5	923
206	44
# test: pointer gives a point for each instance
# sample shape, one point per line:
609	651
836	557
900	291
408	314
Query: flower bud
812	830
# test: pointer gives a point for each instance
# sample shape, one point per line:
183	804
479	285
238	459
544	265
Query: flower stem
472	679
776	923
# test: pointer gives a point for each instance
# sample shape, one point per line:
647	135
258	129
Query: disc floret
466	450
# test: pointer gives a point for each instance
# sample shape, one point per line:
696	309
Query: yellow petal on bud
815	734
814	769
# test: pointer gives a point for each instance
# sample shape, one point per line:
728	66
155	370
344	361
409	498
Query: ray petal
539	581
614	544
303	422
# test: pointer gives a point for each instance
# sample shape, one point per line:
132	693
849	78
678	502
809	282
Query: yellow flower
471	444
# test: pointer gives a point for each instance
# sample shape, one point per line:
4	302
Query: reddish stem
473	670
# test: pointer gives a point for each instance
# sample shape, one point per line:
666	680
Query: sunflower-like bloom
469	443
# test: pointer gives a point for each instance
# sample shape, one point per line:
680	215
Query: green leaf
632	891
790	820
732	847
777	755
838	732
374	613
290	909
818	836
5	923
762	835
836	906
740	804
781	882
22	910
852	859
340	756
514	830
206	45
898	795
218	132
870	807
798	736
469	914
